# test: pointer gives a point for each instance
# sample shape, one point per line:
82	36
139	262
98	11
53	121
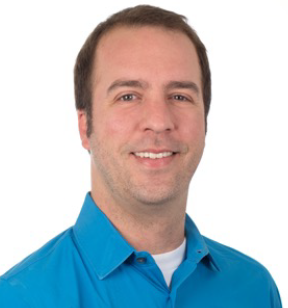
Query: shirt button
141	260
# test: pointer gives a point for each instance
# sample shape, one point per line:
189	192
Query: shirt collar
103	246
197	248
106	249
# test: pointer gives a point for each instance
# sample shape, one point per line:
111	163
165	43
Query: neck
153	228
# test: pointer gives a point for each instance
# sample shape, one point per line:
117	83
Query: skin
145	199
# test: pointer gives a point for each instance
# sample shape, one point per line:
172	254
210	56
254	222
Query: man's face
148	115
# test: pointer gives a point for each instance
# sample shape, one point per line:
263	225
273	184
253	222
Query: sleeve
275	296
9	298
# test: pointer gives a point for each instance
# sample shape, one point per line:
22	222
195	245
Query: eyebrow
127	83
183	85
142	85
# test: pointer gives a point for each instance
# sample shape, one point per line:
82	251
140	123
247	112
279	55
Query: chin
155	196
158	191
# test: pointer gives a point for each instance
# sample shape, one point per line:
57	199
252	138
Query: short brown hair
138	16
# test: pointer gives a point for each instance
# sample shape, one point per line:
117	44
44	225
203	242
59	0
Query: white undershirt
168	262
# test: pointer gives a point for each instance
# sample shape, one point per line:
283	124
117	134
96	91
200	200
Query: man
142	85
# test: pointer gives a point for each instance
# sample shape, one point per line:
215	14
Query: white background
239	194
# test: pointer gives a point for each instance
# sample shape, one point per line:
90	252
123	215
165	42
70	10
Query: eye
179	97
127	97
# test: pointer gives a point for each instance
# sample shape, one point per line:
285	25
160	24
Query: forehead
146	51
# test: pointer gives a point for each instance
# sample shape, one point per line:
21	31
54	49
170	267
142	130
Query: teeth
153	155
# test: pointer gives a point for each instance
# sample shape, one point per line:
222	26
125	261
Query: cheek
115	126
193	127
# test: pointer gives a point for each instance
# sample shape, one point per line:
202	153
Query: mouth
153	155
155	159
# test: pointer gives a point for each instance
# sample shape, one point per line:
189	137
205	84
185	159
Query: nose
157	116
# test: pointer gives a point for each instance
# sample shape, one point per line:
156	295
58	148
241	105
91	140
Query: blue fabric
92	265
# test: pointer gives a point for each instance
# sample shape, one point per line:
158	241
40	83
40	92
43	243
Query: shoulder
229	258
238	268
35	273
9	298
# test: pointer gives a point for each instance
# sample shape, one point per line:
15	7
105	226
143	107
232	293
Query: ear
82	126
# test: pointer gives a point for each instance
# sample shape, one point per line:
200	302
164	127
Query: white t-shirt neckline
168	262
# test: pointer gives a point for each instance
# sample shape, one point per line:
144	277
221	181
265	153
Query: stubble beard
120	184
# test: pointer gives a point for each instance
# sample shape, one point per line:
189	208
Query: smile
153	155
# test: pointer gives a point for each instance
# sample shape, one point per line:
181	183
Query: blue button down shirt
92	265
